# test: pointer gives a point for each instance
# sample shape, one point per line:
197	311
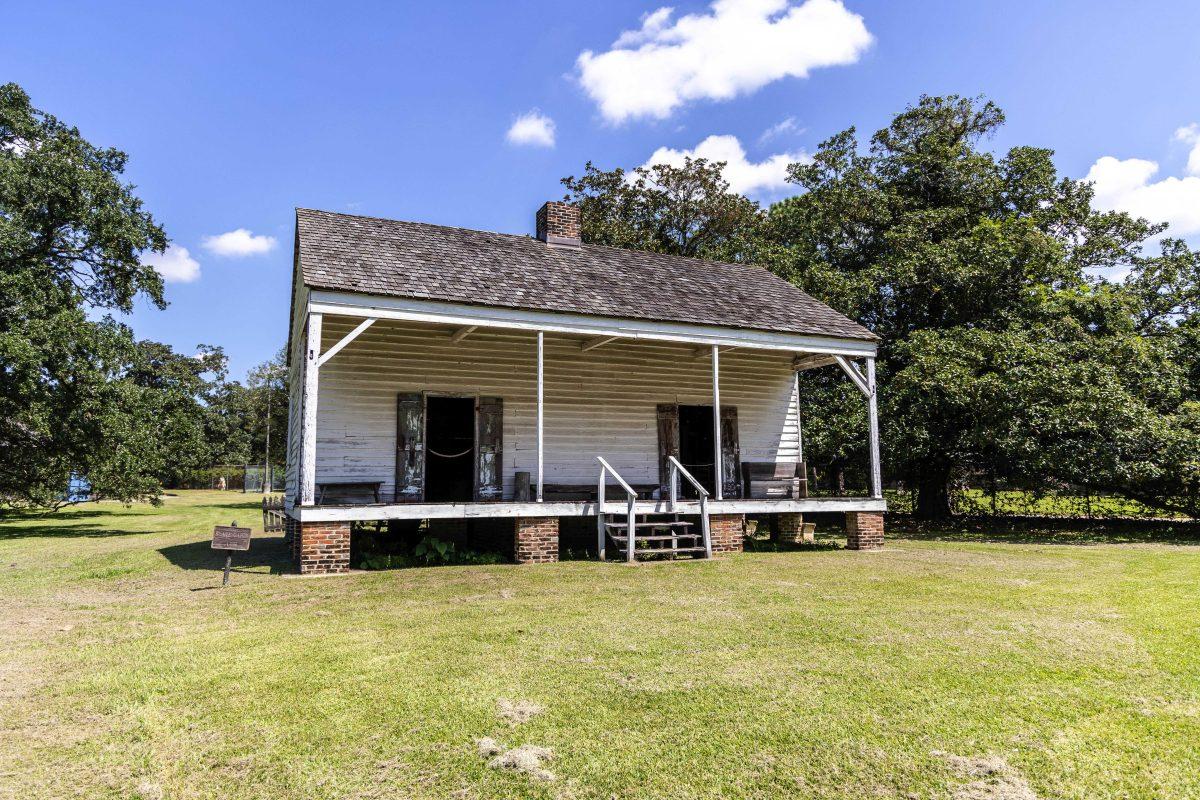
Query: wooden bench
772	480
524	492
348	493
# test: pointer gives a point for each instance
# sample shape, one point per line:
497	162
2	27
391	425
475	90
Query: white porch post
308	422
873	417
718	472
540	409
799	430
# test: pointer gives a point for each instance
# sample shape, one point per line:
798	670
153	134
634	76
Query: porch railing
606	469
675	470
272	510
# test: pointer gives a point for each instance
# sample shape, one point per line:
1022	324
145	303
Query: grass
821	673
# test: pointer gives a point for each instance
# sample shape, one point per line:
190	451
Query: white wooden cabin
517	382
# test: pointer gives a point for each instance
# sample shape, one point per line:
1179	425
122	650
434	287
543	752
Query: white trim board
811	505
462	314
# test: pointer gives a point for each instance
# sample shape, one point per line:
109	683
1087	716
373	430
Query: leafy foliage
1004	357
78	393
686	210
1002	354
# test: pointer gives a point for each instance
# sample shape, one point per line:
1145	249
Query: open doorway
450	449
696	447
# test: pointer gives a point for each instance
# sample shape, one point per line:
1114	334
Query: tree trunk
837	478
933	494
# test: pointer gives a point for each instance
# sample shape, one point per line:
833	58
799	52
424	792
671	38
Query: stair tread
662	550
668	524
665	538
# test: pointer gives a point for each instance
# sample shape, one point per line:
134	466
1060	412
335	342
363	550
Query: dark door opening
450	449
696	447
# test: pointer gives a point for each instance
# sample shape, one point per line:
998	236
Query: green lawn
934	669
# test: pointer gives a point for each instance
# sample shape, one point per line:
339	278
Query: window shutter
489	440
731	453
410	447
668	444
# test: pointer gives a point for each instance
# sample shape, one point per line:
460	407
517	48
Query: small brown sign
228	537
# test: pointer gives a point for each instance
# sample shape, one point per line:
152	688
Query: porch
467	413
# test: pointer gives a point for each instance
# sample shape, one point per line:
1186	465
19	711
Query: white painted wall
601	402
291	487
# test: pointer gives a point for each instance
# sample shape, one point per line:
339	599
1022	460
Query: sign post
230	538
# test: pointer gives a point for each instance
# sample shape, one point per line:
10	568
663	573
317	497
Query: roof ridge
415	222
526	236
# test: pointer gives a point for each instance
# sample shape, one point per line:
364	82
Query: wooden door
410	447
731	454
489	441
668	444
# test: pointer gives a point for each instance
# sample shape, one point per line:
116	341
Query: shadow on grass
271	552
1047	530
29	524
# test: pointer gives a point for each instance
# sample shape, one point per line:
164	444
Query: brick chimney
559	224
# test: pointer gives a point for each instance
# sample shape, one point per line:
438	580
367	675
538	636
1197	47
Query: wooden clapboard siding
600	402
291	484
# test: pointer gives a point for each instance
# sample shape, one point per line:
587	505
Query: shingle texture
413	259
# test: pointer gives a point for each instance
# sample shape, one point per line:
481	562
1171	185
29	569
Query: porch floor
573	508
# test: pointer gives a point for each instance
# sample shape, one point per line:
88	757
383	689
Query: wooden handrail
680	468
676	470
628	489
630	516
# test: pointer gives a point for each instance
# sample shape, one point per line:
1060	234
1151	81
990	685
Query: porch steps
661	538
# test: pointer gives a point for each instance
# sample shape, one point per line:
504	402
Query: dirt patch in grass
526	759
994	779
517	712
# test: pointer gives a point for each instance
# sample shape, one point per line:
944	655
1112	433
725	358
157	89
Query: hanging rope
447	455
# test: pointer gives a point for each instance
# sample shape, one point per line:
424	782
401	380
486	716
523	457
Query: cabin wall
291	484
602	402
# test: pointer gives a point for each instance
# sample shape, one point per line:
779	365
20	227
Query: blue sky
234	115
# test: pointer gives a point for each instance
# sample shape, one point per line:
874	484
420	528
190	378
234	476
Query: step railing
675	469
606	469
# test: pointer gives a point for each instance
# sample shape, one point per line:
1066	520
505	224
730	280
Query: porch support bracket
592	344
345	340
462	333
853	373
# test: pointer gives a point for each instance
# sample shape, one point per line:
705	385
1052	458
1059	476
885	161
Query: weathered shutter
410	447
489	438
668	444
731	453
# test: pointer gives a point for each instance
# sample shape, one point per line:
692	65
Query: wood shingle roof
368	255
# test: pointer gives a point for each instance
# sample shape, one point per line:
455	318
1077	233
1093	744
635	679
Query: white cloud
1190	134
783	128
736	48
176	265
1128	185
239	243
744	176
533	128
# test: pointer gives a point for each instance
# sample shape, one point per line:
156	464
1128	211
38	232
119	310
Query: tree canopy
79	394
1005	353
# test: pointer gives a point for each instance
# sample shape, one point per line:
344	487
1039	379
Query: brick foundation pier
536	540
791	529
726	532
322	548
864	530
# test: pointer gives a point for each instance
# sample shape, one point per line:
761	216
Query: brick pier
322	548
864	530
536	540
726	532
